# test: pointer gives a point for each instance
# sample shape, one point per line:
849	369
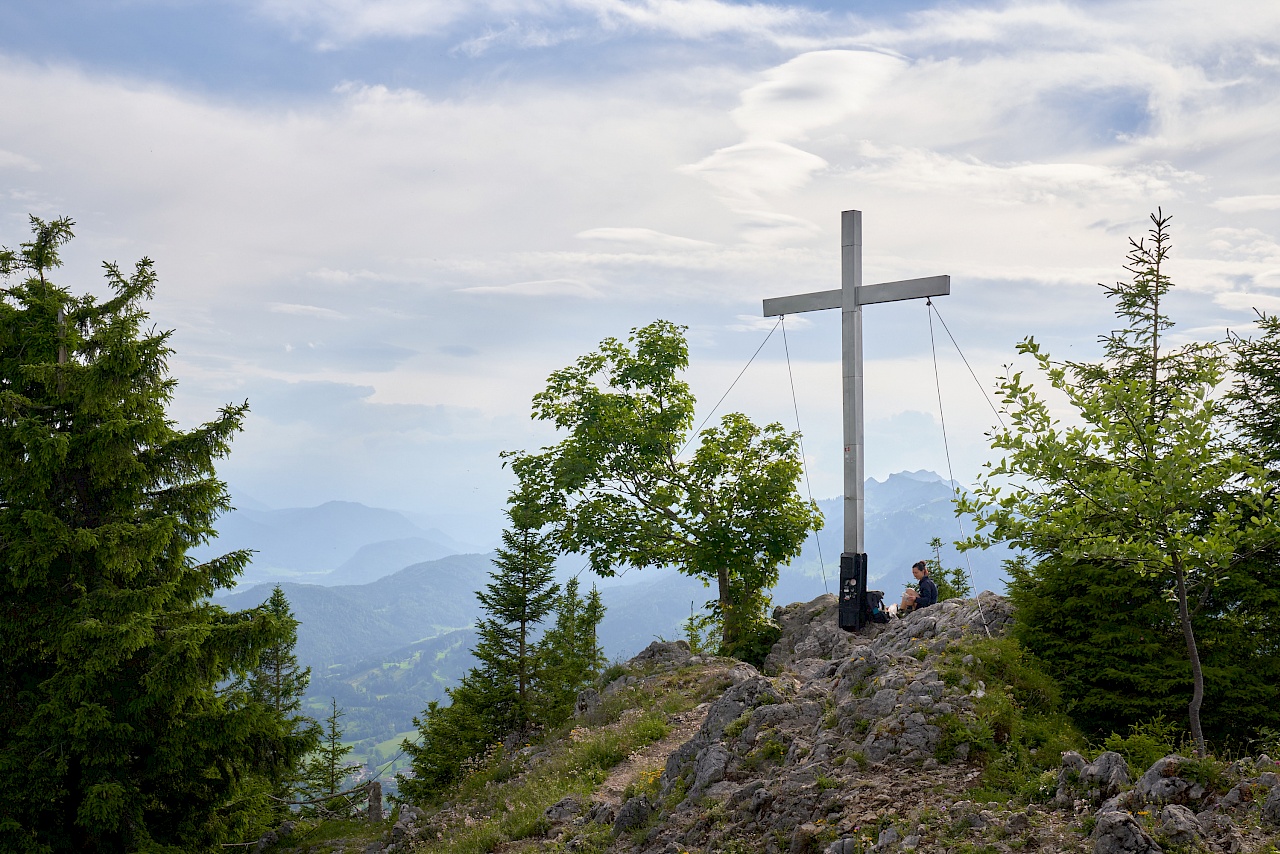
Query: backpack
875	607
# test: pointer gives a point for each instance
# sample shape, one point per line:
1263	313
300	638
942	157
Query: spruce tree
278	682
569	654
496	697
518	597
325	769
113	736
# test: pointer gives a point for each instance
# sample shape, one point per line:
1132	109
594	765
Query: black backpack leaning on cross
875	611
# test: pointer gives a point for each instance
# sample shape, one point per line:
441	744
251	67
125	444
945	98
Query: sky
384	223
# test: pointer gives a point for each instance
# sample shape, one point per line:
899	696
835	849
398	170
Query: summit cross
850	298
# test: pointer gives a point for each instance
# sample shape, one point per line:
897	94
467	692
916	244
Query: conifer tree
113	736
569	653
325	770
278	682
519	595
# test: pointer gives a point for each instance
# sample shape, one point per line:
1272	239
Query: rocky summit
845	743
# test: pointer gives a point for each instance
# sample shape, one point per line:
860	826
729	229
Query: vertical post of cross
851	333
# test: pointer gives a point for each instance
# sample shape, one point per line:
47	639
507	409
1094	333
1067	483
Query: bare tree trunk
1197	673
727	633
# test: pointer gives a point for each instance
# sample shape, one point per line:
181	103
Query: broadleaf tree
1147	478
113	735
617	490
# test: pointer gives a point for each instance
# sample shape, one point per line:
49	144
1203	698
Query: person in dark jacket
926	595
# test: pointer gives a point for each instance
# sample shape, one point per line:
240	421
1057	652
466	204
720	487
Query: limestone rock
1180	826
586	703
564	809
632	814
1105	776
1119	833
1162	785
1271	807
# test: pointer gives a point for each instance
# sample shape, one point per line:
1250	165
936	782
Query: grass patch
508	796
1018	729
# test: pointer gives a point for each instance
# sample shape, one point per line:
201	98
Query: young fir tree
278	682
517	599
952	583
1149	482
569	654
486	706
325	771
113	736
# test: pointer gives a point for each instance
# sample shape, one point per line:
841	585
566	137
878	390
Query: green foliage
325	771
1018	729
618	492
952	583
1146	742
518	597
483	706
569	656
113	735
1149	482
515	804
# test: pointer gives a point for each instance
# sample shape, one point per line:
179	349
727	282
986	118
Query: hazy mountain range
385	607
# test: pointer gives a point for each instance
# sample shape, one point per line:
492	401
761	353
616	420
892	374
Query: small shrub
738	725
1207	771
1267	741
612	672
1146	742
603	751
858	758
823	783
651	727
771	751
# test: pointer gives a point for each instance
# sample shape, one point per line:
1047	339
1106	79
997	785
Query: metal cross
850	299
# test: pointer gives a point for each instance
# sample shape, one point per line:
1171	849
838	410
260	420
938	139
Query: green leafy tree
616	489
325	769
1147	479
113	735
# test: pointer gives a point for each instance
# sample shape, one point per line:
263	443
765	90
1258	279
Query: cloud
750	170
541	288
308	311
643	237
11	160
1247	204
815	90
1247	302
533	23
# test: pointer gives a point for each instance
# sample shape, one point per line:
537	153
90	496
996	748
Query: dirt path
654	756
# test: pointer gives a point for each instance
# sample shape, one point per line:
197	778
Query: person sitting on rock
926	595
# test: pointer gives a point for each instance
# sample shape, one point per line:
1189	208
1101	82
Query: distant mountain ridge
338	542
387	647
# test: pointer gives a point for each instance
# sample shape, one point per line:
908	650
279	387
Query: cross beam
850	299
